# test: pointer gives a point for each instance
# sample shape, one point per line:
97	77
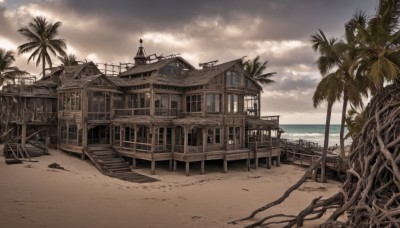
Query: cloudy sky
200	31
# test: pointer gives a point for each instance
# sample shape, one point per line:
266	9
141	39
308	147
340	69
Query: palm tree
255	69
8	72
379	42
328	89
342	57
355	121
68	60
41	36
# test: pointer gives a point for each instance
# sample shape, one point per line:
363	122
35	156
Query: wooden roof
255	123
191	78
154	66
83	82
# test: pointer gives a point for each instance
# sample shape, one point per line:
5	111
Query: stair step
103	153
118	169
111	162
116	164
105	156
113	167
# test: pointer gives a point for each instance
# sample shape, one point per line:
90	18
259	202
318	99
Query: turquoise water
312	132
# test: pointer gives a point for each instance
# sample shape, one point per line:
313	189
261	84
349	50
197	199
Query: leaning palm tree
7	71
68	60
328	89
255	69
42	40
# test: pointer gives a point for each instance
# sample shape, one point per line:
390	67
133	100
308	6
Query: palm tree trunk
43	66
326	142
342	125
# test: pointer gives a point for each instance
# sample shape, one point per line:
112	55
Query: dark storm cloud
277	30
281	18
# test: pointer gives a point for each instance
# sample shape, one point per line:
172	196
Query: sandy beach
33	195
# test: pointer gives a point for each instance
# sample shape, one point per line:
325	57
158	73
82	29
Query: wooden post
256	155
278	161
153	166
120	136
185	143
153	142
175	165
135	138
170	165
187	168
204	149
134	163
248	160
23	136
225	164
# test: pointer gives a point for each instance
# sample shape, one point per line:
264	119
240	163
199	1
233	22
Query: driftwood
370	195
56	166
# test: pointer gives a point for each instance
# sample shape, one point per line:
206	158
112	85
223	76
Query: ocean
313	133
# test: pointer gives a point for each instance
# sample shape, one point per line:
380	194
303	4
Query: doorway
99	135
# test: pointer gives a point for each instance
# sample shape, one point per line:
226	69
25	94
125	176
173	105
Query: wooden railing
166	111
98	115
122	112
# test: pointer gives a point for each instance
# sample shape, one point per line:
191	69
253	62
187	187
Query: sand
33	195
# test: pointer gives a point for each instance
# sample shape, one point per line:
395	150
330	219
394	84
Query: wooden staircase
15	151
110	163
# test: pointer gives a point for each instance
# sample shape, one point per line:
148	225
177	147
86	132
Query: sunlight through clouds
7	44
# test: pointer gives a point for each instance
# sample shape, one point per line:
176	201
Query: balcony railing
43	117
98	115
166	111
121	112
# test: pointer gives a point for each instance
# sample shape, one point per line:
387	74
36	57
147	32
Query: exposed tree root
370	196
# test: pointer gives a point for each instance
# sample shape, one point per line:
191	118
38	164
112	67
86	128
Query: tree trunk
43	66
342	125
326	141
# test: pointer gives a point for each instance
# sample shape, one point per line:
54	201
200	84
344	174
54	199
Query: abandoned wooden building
157	110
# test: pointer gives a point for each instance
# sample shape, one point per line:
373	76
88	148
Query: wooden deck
306	154
187	158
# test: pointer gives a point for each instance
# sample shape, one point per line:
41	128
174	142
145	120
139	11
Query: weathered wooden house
165	110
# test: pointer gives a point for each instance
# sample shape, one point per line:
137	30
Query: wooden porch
269	155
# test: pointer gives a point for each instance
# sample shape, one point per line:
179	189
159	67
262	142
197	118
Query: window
193	103
140	103
166	104
99	106
214	136
71	101
117	135
72	133
233	135
160	136
129	134
213	102
251	105
232	78
118	101
233	103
